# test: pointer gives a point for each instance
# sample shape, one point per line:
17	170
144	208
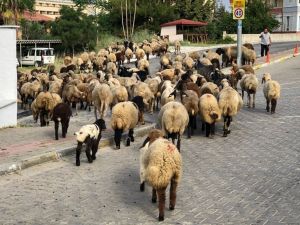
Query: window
287	23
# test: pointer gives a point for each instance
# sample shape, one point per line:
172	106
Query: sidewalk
28	144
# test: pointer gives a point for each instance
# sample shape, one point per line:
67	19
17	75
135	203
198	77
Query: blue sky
226	3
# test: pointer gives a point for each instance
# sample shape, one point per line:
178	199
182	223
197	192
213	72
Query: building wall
51	8
8	77
170	30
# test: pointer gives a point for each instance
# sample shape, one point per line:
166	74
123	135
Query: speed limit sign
238	10
239	13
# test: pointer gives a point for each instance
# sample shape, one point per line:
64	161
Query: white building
287	12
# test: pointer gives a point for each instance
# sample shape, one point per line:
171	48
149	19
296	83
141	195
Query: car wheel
36	64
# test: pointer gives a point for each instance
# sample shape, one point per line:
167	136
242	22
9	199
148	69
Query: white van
38	57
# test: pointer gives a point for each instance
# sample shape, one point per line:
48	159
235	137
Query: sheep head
266	77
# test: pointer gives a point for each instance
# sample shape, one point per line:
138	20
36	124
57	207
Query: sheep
61	113
249	56
119	93
139	101
178	58
205	61
84	88
120	57
209	113
148	50
177	47
173	118
71	95
128	54
249	83
34	110
209	88
249	46
164	62
102	53
167	90
112	57
211	55
153	84
143	67
216	63
67	60
44	105
139	54
246	68
90	135
111	68
225	58
142	89
190	100
30	89
195	55
271	92
168	74
124	117
102	98
230	102
85	57
160	165
188	63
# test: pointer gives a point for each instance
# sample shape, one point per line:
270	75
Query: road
277	47
251	177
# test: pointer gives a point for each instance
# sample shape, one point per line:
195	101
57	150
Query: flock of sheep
102	80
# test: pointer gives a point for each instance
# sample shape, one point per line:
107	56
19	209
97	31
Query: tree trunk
126	19
133	23
123	20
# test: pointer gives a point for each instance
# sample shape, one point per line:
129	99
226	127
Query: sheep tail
157	178
214	115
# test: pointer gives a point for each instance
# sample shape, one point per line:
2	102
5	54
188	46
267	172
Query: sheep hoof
172	207
161	218
153	200
228	131
93	157
132	139
225	134
90	161
118	147
128	142
272	112
77	163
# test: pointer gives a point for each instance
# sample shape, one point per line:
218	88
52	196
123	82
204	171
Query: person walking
265	41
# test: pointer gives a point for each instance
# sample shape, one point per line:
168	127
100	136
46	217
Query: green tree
12	9
33	30
76	30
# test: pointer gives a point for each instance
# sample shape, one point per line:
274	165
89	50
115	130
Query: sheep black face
101	124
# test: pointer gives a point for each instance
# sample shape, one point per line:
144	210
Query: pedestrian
265	41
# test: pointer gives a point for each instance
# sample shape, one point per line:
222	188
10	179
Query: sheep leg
253	103
118	135
248	100
179	142
173	194
131	135
243	95
225	127
273	105
207	126
268	105
65	126
78	152
194	123
56	125
95	112
154	196
88	151
203	126
94	149
161	203
190	127
76	109
228	124
212	129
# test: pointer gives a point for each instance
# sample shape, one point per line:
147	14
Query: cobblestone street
250	177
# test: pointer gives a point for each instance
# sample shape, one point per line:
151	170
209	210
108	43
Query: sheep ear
145	142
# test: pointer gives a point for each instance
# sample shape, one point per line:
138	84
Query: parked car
38	57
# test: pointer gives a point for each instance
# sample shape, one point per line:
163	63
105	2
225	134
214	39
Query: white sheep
167	89
209	88
271	92
230	102
190	101
160	165
124	117
249	83
102	98
142	89
209	112
173	118
90	135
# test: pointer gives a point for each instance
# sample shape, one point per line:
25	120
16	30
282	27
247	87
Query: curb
18	166
275	61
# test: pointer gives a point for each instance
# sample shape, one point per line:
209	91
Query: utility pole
238	12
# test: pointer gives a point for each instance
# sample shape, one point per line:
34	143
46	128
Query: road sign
238	10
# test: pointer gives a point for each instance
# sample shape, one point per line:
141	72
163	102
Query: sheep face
81	136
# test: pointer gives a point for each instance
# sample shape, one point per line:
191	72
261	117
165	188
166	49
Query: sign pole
239	43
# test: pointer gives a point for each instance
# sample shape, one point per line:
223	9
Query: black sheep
61	113
139	101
